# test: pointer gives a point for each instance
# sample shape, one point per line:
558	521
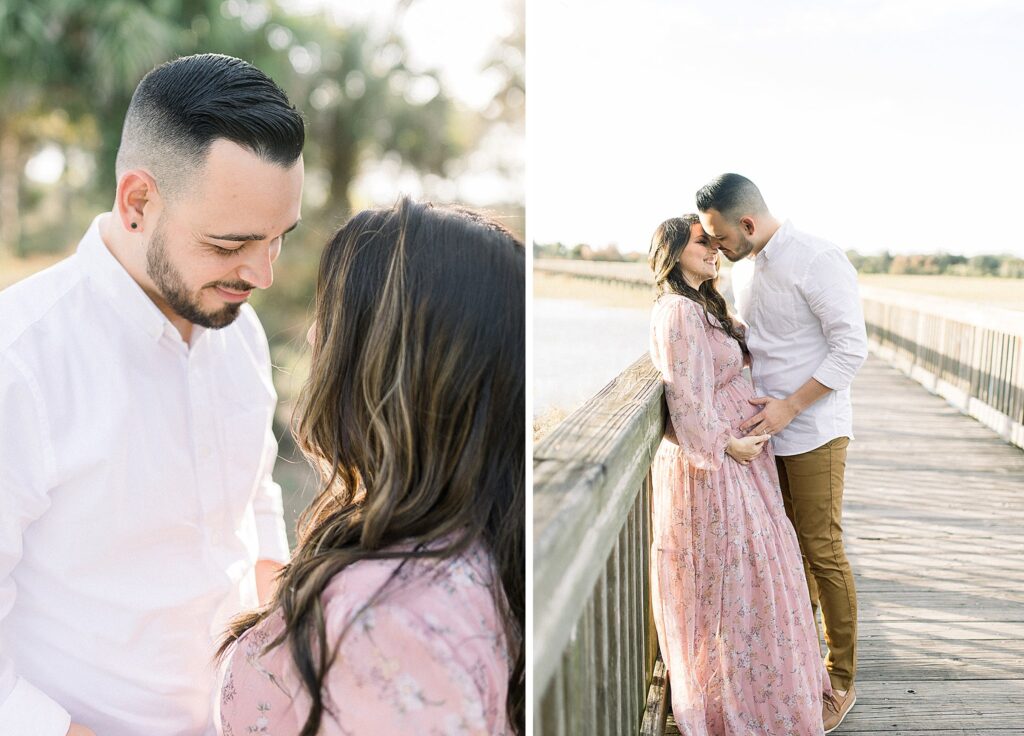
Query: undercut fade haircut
180	108
734	196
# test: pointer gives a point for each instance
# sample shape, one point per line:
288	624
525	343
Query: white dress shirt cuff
29	712
831	377
273	539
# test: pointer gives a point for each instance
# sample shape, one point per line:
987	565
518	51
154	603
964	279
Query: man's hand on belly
776	414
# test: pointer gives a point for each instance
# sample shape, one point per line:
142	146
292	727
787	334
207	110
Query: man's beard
744	249
171	286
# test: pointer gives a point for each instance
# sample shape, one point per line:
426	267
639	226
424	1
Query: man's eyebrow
246	237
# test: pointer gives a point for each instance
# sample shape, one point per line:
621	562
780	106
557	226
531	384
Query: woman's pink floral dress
730	600
428	658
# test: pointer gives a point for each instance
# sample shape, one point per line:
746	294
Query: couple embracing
146	584
748	485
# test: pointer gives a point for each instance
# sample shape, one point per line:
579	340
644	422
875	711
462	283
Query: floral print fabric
730	600
429	657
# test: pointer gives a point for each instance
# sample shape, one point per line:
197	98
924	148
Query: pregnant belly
732	402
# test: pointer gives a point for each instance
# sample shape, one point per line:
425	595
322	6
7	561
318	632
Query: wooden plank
550	717
604	620
656	709
615	673
630	700
901	604
955	704
924	706
945	659
652	632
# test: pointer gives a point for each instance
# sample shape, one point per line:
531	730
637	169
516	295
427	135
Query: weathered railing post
594	644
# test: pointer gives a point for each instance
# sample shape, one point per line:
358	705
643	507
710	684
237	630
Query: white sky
874	123
456	36
458	39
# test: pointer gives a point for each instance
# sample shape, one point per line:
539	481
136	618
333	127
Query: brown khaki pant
812	491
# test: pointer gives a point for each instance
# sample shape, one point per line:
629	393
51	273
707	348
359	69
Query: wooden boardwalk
934	527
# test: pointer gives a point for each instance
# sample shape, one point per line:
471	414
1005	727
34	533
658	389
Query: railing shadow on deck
594	644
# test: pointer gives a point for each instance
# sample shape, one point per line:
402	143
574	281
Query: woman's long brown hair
414	416
667	246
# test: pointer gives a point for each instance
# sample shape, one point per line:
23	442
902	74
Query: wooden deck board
934	528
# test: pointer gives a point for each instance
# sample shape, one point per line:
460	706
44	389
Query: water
579	347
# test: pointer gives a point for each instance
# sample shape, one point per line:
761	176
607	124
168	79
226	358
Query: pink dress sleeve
688	371
403	672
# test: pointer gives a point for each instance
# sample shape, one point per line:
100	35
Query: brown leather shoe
834	708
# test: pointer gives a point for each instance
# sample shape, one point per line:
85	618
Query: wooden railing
972	356
594	644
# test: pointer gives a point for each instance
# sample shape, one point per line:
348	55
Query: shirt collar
780	236
108	273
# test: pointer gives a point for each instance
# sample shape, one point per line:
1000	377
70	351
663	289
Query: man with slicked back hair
798	296
138	512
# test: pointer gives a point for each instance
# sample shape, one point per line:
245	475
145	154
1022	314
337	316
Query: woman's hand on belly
745	449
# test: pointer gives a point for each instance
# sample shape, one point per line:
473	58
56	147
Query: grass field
1005	293
637	271
548	285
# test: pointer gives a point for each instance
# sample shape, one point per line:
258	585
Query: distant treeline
583	252
1005	266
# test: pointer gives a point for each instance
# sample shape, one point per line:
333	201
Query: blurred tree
362	101
70	55
1012	268
508	63
609	253
26	55
582	251
984	265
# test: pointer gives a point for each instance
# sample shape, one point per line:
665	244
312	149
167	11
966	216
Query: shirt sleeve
268	505
689	377
26	475
399	672
830	288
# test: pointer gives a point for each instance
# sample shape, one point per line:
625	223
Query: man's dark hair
180	108
732	195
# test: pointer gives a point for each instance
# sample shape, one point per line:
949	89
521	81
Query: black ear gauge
134	225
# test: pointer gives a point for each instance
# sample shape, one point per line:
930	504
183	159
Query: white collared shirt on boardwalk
135	496
800	301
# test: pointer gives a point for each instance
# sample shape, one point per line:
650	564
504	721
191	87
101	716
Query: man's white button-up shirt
135	497
800	301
